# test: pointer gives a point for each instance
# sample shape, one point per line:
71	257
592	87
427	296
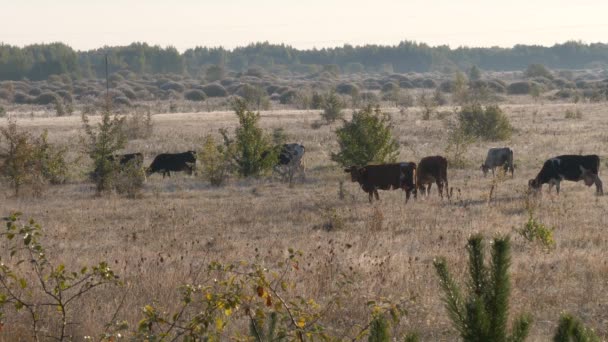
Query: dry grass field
157	242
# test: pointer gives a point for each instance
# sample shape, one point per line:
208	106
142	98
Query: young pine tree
483	315
571	329
251	149
103	141
367	138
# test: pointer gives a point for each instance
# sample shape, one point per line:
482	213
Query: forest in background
39	61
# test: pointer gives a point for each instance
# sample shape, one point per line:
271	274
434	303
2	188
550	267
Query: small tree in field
367	138
215	162
570	329
103	141
483	315
251	150
332	108
488	123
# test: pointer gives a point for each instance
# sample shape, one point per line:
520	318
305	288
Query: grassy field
157	242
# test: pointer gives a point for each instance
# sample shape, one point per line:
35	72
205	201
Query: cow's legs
557	187
371	196
440	188
428	190
376	193
598	185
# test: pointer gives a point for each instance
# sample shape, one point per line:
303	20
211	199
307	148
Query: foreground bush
332	108
40	283
484	313
215	161
488	123
367	138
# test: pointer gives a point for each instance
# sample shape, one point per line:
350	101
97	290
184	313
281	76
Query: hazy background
303	24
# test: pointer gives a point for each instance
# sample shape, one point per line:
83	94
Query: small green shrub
519	88
46	98
2	112
288	96
251	150
138	125
537	70
366	138
534	231
489	123
570	329
215	90
215	162
428	105
130	178
256	97
332	108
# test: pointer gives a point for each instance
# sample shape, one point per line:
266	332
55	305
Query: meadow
160	241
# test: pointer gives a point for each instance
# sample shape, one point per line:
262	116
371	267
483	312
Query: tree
489	123
251	150
103	142
483	315
474	73
332	108
366	138
215	162
537	70
571	329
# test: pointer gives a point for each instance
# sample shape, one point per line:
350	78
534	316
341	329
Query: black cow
496	157
291	154
385	177
433	169
571	168
167	162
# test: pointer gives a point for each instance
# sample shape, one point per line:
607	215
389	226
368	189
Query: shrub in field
332	108
138	125
537	70
129	179
474	73
215	90
21	98
456	150
428	104
52	160
2	111
288	97
535	231
46	98
317	101
347	88
483	314
175	86
489	123
519	88
570	329
366	138
215	162
101	143
256	97
195	95
251	150
30	282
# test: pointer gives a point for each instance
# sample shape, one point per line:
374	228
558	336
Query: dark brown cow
431	170
385	177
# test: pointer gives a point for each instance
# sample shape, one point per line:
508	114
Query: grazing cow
291	154
125	159
569	167
167	162
498	156
385	177
433	169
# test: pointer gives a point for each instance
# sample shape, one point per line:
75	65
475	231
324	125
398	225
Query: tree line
38	61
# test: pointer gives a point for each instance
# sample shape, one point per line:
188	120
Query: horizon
315	24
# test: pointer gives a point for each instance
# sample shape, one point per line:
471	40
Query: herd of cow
408	176
412	178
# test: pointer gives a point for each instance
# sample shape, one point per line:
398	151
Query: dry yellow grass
156	242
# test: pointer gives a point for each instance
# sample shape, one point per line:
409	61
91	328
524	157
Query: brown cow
432	169
385	177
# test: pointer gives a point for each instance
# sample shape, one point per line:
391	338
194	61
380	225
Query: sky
304	24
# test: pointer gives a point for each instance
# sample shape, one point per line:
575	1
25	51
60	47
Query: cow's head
534	184
355	173
484	168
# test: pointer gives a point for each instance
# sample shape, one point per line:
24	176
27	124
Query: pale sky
86	24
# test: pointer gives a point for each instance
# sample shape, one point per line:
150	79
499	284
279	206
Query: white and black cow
571	168
289	161
496	157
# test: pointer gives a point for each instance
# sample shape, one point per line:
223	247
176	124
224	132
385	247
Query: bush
52	160
46	98
332	108
483	314
519	88
195	95
535	231
129	179
347	89
255	97
2	112
215	161
428	104
389	87
215	90
367	138
537	70
489	123
571	329
288	97
251	150
138	125
21	98
214	73
104	140
175	86
48	284
317	101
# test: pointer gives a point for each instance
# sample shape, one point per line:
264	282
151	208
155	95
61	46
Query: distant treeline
37	62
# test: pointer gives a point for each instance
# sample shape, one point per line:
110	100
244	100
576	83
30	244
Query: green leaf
22	283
